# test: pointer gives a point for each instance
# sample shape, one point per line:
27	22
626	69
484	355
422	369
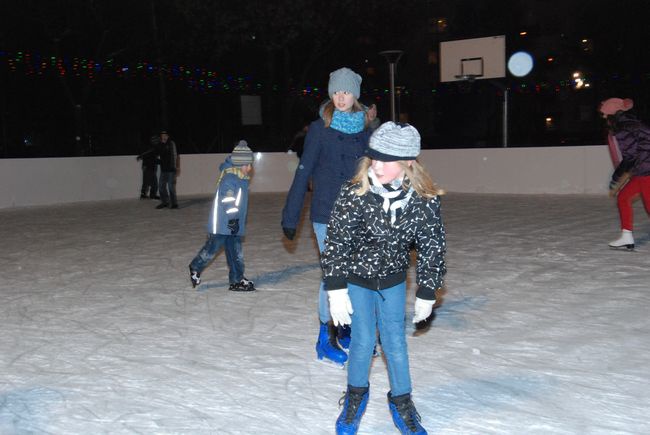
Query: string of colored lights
197	78
204	80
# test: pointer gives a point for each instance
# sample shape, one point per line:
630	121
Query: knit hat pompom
242	155
392	142
613	105
344	79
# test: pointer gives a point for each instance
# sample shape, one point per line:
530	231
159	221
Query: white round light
520	64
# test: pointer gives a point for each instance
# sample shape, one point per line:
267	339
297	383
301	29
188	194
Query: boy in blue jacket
228	220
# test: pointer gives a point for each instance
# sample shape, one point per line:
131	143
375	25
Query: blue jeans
383	309
320	230
234	255
167	188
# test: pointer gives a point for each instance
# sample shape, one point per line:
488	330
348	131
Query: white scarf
395	197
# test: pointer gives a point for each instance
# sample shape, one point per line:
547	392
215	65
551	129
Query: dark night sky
285	45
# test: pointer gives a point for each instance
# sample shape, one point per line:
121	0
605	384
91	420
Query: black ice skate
195	277
245	285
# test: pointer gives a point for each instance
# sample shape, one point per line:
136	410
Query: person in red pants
633	138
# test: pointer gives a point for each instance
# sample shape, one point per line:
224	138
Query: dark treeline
286	45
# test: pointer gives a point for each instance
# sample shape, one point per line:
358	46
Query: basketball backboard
473	59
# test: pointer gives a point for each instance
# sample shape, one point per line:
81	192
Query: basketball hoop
467	77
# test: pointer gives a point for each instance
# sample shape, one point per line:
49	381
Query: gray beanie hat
344	79
241	155
392	142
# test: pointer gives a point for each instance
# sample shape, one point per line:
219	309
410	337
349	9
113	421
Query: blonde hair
328	112
417	176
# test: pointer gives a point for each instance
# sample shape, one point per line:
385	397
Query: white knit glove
340	306
423	308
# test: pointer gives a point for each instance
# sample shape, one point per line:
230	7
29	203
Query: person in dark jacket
371	111
227	224
390	205
149	159
169	165
333	146
298	141
633	139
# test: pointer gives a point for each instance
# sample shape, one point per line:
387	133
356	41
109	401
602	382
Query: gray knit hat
392	142
344	79
241	155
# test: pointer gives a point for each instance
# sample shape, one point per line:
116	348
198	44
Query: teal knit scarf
348	122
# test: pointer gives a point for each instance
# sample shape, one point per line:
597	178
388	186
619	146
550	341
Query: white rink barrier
549	170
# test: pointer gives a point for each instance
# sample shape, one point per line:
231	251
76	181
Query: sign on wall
251	110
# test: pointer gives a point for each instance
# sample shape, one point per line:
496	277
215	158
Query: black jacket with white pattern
364	249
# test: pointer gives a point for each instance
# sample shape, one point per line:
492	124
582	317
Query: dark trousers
167	187
149	181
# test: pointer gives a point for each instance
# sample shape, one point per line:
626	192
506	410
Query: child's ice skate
195	277
354	405
404	414
327	347
245	285
625	241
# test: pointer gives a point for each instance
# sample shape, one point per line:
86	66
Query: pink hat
613	105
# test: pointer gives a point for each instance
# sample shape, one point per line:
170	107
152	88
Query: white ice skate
625	241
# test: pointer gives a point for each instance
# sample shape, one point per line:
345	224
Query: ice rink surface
541	330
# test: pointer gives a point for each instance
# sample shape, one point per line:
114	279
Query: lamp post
392	57
519	65
505	117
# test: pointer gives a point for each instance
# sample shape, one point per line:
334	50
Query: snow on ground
542	329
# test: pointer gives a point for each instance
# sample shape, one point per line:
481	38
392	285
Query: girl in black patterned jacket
390	206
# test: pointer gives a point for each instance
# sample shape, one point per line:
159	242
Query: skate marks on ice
542	330
494	404
267	280
284	275
444	406
27	410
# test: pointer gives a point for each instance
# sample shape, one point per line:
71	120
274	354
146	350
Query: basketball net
465	82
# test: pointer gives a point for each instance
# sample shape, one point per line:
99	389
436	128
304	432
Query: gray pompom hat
344	79
242	155
392	142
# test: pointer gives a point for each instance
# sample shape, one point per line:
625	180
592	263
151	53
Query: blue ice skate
327	346
404	414
356	399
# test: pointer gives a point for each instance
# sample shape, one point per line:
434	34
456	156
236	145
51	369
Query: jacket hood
226	164
624	121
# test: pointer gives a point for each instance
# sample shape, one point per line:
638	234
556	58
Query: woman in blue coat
334	144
